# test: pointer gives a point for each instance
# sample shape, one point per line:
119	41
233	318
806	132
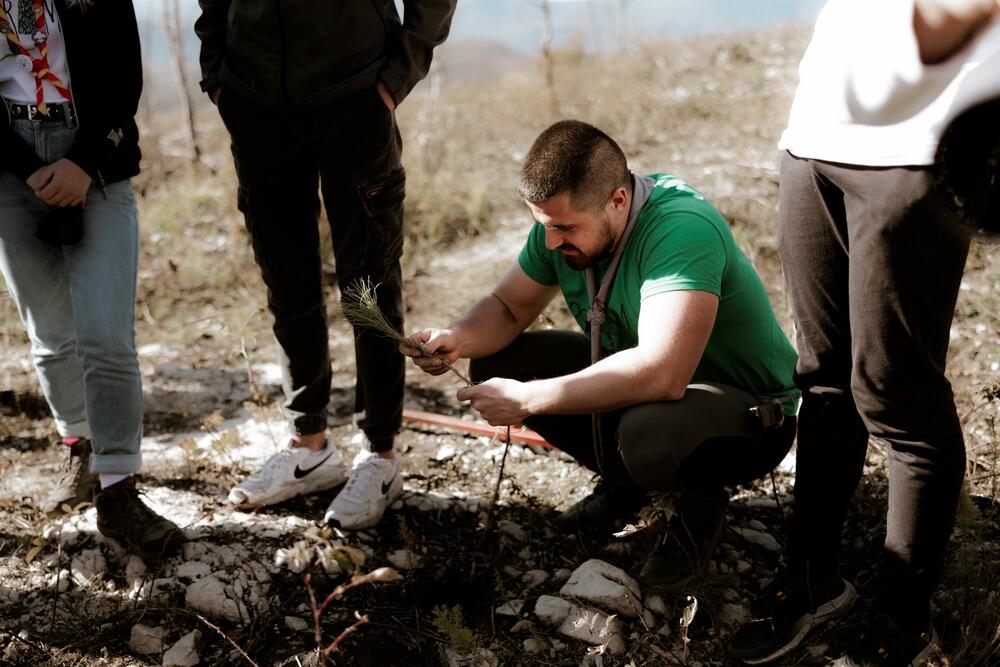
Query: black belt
61	112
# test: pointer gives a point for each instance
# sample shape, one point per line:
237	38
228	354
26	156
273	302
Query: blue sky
599	24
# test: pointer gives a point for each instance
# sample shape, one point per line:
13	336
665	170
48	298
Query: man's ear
618	200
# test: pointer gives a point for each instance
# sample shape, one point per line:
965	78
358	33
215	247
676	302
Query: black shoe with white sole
883	643
785	614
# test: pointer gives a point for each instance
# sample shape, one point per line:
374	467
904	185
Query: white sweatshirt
865	97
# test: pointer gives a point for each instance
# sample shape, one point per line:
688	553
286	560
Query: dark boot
685	549
76	483
122	516
603	511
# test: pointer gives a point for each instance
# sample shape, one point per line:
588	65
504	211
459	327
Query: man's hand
430	348
500	401
386	96
61	183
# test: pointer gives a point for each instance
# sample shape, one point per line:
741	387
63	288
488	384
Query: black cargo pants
873	259
349	151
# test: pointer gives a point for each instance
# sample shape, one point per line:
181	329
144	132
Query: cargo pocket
382	200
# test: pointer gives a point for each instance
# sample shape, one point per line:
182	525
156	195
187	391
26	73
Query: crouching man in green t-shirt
692	380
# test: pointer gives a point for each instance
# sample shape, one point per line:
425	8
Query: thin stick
496	489
228	638
343	635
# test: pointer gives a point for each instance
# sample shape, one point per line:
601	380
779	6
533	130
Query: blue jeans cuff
115	464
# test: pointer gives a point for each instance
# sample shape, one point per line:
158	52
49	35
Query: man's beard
582	261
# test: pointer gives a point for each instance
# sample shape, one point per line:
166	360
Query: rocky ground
479	584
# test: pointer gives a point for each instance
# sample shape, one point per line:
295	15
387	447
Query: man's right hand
430	348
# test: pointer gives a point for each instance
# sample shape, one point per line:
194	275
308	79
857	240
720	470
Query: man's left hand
62	183
386	96
500	401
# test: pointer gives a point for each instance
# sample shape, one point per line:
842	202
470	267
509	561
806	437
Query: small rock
524	625
477	658
757	525
759	538
209	596
404	559
818	650
534	645
731	595
88	565
742	567
512	529
146	640
445	453
533	579
656	604
589	625
185	652
606	585
295	623
510	608
732	614
561	575
193	569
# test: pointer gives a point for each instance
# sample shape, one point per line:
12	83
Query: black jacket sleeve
211	30
16	156
425	26
110	93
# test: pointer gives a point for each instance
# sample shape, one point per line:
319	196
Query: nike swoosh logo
300	473
387	485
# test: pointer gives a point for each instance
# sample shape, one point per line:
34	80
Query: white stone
209	596
761	539
477	658
742	566
655	604
589	625
510	608
295	623
533	579
732	614
193	569
88	565
185	652
404	559
146	640
561	575
445	453
512	529
606	585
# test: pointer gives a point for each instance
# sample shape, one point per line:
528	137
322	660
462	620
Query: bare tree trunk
172	25
547	62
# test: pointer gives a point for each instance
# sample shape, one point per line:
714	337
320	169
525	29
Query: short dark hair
575	158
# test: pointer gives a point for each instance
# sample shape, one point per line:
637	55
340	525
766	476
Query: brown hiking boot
122	516
685	549
603	511
76	483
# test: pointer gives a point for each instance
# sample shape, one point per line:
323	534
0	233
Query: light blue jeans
77	303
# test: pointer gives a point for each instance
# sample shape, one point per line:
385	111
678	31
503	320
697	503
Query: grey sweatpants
873	258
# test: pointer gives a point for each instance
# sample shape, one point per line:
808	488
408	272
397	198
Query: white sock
109	479
313	456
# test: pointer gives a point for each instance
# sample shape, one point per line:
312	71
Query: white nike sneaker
374	483
291	472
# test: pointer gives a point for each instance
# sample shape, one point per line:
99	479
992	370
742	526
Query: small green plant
449	622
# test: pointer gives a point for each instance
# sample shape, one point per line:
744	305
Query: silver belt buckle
32	111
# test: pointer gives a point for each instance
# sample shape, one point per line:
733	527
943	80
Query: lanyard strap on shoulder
642	188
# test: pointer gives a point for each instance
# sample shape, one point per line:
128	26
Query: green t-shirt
681	242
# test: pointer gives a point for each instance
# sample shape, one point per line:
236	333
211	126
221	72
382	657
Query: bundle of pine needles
359	307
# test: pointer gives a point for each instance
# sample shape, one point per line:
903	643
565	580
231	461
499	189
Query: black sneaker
76	483
607	508
885	644
687	546
785	613
122	516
